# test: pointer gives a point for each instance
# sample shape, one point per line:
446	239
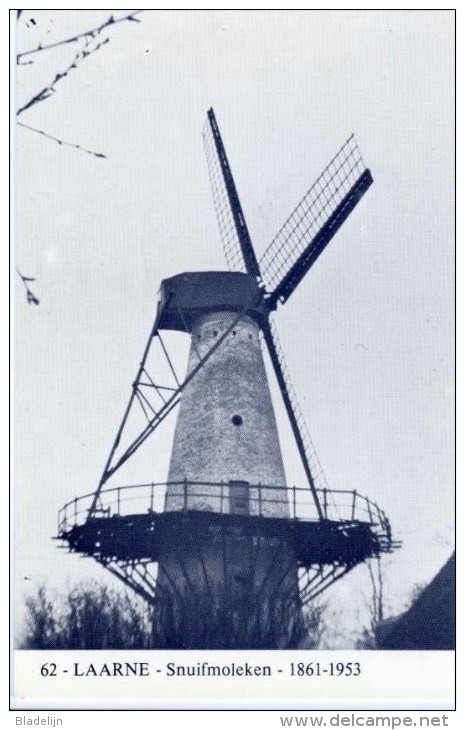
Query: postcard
234	360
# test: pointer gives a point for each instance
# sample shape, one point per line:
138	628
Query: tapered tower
225	552
226	451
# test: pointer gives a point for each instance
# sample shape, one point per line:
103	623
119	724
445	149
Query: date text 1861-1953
332	669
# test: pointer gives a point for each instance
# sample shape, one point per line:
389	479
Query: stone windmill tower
226	553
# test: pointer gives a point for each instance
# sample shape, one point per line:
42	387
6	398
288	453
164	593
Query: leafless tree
88	43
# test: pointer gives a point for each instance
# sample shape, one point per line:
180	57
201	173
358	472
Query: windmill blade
299	429
314	222
234	233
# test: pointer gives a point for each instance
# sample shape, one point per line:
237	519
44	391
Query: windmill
225	552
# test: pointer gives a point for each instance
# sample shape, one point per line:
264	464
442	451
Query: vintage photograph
234	330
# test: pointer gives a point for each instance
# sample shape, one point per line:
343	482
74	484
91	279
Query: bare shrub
94	616
87	616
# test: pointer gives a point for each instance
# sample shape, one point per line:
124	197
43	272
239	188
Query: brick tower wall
226	428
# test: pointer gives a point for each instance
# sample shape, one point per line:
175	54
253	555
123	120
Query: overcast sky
369	332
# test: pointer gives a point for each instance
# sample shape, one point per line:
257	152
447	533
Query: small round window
237	420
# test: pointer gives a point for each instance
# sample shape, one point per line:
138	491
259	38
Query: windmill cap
184	297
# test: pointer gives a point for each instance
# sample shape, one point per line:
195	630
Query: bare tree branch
31	297
90	38
48	90
90	34
62	142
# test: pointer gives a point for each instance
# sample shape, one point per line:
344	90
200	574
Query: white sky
368	334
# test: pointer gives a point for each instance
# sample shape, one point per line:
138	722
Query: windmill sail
314	222
305	447
235	237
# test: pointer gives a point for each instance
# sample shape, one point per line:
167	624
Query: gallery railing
258	500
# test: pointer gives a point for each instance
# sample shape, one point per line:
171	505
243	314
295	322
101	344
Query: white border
263	718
